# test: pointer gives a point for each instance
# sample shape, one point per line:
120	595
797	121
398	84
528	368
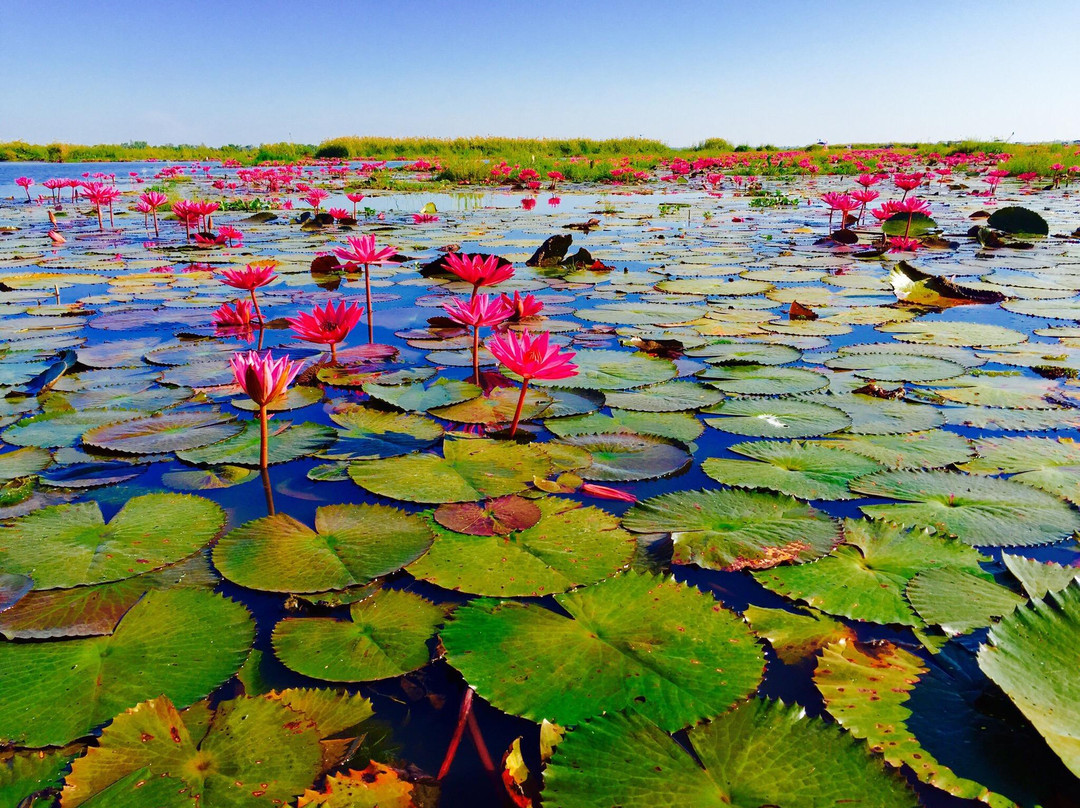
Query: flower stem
520	404
264	455
367	294
333	352
268	491
255	303
455	740
476	354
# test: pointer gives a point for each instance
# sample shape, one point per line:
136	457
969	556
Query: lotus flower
522	307
424	218
101	195
903	244
327	325
911	207
315	198
264	379
364	251
531	358
251	277
231	234
479	270
478	311
239	314
25	183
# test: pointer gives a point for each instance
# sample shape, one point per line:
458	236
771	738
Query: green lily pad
801	470
795	636
678	426
776	418
633	641
1038	578
469	470
1018	220
762	380
386	636
24	462
24	774
746	353
953	334
351	545
69	545
958	601
497	407
572	545
150	653
249	752
167	432
866	576
889	367
88	610
981	511
1044	463
1031	656
630	313
614	370
420	397
286	441
624	456
877	416
932	449
733	529
665	397
54	429
761	753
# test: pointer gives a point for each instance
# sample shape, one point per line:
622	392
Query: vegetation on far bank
471	159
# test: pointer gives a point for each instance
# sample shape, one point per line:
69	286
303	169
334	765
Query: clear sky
753	71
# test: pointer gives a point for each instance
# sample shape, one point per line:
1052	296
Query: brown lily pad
496	517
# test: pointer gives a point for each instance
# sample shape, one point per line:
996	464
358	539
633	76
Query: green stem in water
520	404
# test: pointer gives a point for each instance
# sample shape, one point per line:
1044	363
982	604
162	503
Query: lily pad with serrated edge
497	407
958	601
762	380
800	470
247	746
286	442
953	334
150	653
469	470
865	576
165	432
55	429
421	396
867	689
1038	578
572	545
896	367
794	636
666	650
746	353
496	517
981	511
934	448
678	426
1031	655
776	418
674	396
386	635
876	416
762	753
624	456
24	462
69	545
351	544
83	611
614	370
734	529
630	313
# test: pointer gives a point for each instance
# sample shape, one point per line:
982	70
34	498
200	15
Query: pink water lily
264	380
479	270
327	325
476	312
363	250
253	276
531	358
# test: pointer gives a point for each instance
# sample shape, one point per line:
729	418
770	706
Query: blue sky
788	73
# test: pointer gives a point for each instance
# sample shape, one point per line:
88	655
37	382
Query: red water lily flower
264	379
479	270
531	358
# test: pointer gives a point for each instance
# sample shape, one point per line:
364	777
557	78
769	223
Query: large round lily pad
286	441
370	433
665	650
167	432
866	577
760	754
152	652
615	370
69	545
570	546
469	470
248	752
386	635
623	456
776	418
351	545
732	529
981	511
801	470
